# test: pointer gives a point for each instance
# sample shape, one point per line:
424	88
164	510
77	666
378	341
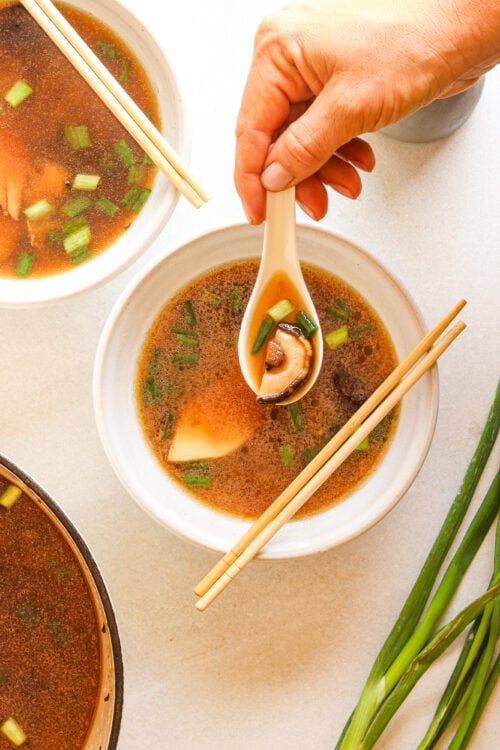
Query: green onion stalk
415	642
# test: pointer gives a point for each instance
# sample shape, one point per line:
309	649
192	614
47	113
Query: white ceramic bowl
163	198
142	475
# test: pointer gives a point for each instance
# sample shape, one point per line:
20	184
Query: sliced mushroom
288	364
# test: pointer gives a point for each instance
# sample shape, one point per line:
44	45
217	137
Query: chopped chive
185	332
106	207
58	633
24	264
78	256
166	428
185	359
235	299
37	210
124	153
197	480
296	416
265	329
308	454
339	310
306	323
187	340
286	455
125	67
337	338
78	136
86	182
73	225
135	174
189	313
18	93
141	199
13	731
77	205
10	495
214	300
77	240
28	614
106	49
280	310
153	360
150	391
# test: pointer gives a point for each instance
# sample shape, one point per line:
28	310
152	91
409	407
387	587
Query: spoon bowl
280	276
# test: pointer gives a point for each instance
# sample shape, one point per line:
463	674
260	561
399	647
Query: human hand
326	72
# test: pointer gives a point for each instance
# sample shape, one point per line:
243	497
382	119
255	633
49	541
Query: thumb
307	143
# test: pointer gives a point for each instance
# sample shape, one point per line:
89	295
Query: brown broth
246	481
49	639
33	141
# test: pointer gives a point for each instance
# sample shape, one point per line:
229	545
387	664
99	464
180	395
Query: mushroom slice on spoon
289	357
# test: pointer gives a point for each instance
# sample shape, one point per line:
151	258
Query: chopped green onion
265	329
135	174
187	340
24	264
28	614
125	67
339	310
185	359
55	237
189	313
77	205
78	136
280	310
308	454
18	93
78	256
337	338
73	224
235	299
356	332
196	466
147	160
185	332
364	444
296	416
197	480
286	455
107	49
13	731
124	153
150	391
78	239
135	198
153	360
10	495
3	679
37	210
58	633
106	207
214	300
379	433
306	323
86	181
167	426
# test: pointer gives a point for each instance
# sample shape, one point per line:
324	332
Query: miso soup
71	178
188	380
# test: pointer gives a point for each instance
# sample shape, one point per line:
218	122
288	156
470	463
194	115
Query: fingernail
306	210
343	190
275	177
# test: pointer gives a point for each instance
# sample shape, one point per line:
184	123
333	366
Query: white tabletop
279	660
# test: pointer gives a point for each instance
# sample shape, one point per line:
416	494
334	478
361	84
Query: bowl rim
120	307
111	622
46	290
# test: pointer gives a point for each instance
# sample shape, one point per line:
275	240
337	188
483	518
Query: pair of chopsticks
342	444
116	98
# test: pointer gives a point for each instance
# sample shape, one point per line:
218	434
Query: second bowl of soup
186	435
79	199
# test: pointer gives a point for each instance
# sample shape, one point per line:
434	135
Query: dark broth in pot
191	351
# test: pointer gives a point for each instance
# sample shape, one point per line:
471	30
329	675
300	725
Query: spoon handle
279	249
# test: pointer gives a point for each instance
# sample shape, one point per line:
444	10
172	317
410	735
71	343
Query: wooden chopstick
332	455
105	85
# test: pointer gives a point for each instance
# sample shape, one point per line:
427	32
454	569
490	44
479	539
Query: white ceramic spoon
279	259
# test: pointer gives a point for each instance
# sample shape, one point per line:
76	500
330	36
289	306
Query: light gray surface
279	660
